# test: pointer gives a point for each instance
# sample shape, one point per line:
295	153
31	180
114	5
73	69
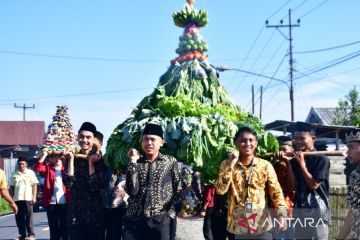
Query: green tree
348	111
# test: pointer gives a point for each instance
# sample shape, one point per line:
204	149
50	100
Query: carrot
197	55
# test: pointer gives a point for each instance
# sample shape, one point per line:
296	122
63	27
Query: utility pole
290	26
253	98
261	98
24	107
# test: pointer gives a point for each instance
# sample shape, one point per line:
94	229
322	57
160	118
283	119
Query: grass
4	207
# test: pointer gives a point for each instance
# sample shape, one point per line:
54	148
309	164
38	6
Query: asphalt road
189	229
8	228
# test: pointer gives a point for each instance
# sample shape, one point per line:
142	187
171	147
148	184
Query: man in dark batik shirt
85	177
351	229
153	184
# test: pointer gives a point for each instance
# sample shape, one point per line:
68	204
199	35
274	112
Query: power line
252	46
279	9
267	85
81	58
221	69
313	9
329	66
331	62
327	49
252	66
276	71
273	76
319	74
322	78
76	95
298	6
328	77
248	53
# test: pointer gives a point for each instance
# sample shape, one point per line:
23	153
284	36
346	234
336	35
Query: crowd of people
251	198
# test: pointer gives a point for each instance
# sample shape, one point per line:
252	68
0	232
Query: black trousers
207	231
218	223
56	214
173	223
262	236
24	218
86	232
155	228
114	223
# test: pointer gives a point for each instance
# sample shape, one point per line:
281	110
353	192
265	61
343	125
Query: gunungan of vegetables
192	45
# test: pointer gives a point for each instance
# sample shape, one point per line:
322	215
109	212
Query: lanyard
248	180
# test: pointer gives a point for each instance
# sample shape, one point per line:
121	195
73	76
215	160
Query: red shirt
209	193
49	171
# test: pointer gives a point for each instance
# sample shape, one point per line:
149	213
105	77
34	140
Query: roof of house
324	116
21	132
323	131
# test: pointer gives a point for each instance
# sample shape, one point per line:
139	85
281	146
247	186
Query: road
189	229
8	229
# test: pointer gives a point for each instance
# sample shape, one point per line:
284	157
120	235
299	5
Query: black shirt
153	188
85	207
318	167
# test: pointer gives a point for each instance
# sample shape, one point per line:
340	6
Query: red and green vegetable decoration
60	136
192	45
198	116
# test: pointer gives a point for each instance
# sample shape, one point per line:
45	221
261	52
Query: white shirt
58	196
22	183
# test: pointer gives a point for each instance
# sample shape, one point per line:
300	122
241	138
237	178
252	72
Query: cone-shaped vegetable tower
60	136
197	114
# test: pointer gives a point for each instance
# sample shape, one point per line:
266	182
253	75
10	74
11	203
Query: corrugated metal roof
21	132
323	116
323	131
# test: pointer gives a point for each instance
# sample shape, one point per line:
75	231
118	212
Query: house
323	116
19	139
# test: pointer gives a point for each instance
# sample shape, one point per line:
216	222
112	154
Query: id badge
248	206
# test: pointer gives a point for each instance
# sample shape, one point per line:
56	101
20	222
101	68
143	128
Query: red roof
21	132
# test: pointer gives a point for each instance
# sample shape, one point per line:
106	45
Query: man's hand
69	155
133	155
202	212
121	192
33	200
232	159
14	207
282	156
45	153
97	147
283	225
94	159
299	156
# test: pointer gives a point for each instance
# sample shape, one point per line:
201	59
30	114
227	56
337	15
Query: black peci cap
153	129
88	126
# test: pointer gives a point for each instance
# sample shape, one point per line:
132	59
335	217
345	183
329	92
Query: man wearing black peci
153	184
86	177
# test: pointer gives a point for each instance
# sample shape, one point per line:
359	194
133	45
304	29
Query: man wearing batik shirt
351	228
86	177
153	184
250	181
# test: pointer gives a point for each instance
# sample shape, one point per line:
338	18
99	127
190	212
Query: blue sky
102	57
